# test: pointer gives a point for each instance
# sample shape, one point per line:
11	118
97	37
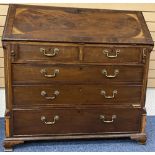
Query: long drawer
76	121
76	94
75	52
27	73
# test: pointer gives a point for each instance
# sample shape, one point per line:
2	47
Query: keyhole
80	68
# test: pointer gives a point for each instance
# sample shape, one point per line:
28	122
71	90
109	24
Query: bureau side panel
8	89
145	59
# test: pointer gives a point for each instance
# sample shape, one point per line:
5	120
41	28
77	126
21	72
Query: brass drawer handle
44	72
44	120
55	94
116	72
53	52
103	92
102	117
106	52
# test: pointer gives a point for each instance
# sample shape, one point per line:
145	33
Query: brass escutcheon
52	53
106	52
44	120
102	117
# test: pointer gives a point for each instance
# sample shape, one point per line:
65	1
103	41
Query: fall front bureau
75	73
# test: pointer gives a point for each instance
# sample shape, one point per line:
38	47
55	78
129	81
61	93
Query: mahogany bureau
75	73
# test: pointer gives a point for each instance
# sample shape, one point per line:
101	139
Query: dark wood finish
32	52
125	55
70	53
59	24
140	138
76	94
28	73
17	140
85	70
8	145
75	121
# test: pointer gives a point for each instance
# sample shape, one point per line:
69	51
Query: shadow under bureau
75	73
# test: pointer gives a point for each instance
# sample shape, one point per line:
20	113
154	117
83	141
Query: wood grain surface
148	12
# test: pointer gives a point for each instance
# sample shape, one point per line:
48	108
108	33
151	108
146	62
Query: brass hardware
12	53
116	72
55	94
106	52
44	72
43	119
53	52
103	92
144	55
81	53
102	117
136	105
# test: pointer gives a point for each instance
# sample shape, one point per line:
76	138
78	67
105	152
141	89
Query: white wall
150	101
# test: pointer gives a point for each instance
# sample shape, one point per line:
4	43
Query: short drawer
112	54
76	95
76	121
76	73
44	53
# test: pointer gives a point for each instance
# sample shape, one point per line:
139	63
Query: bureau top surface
75	25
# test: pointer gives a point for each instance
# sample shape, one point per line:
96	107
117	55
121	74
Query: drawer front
76	74
76	94
44	52
66	53
76	121
112	55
